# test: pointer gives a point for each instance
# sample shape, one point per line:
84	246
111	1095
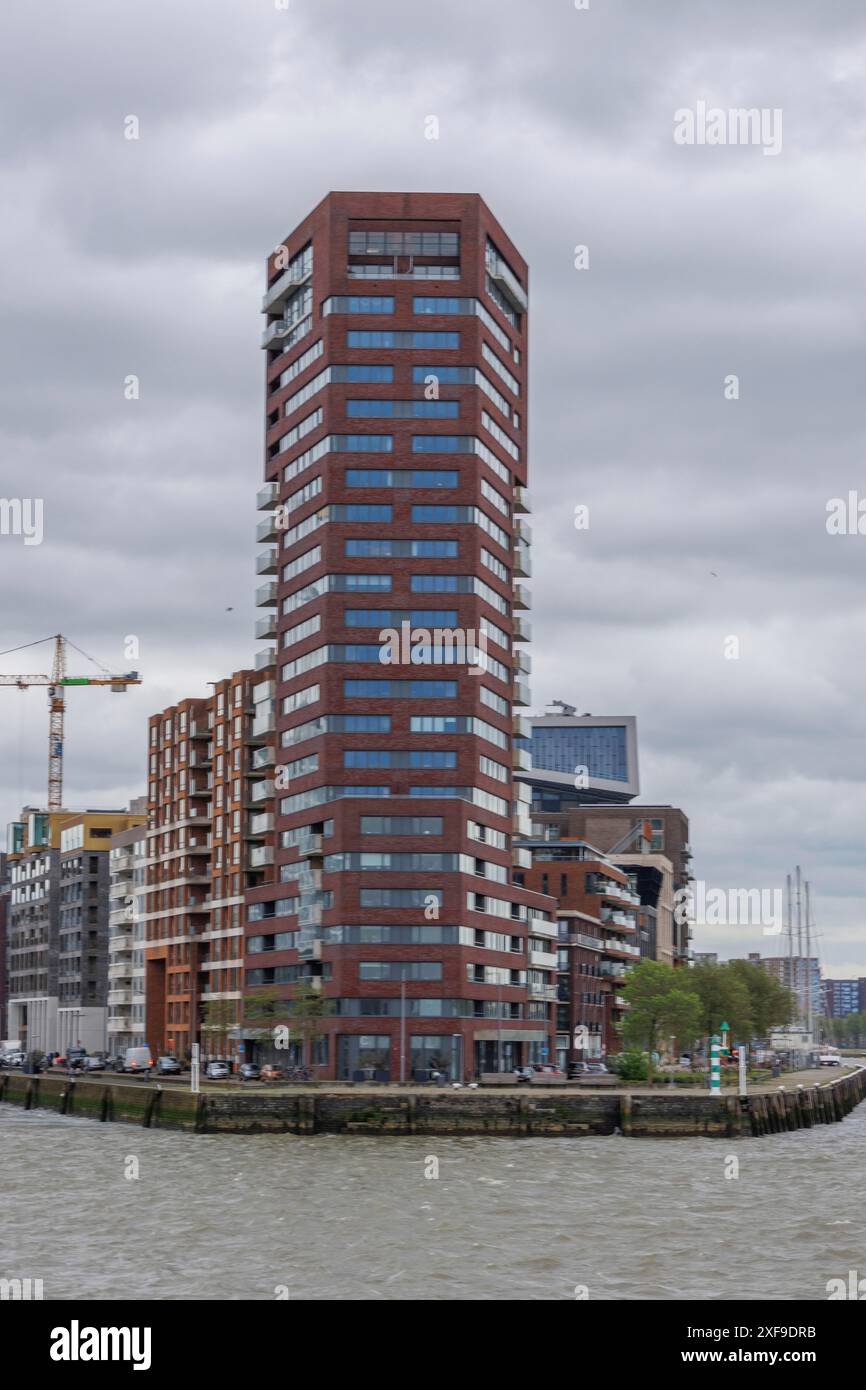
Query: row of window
318	796
404	243
402	934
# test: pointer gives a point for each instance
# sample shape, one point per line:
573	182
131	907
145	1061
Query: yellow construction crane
57	683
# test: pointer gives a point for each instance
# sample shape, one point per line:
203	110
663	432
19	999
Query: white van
829	1057
138	1060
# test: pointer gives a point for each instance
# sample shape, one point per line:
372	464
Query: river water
235	1217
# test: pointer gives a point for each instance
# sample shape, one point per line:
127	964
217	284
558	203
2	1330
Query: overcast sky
707	515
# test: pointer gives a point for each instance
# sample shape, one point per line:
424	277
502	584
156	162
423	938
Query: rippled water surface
231	1217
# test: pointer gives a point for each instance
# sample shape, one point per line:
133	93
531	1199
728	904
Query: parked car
271	1073
596	1069
248	1071
576	1069
168	1066
829	1059
536	1068
216	1071
96	1063
13	1058
76	1058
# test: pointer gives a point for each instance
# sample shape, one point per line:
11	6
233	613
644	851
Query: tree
308	1008
724	998
220	1017
263	1008
770	1002
661	1002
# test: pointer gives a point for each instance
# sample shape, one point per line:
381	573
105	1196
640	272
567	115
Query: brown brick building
210	838
395	475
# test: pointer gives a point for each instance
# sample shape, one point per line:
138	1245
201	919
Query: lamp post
403	1026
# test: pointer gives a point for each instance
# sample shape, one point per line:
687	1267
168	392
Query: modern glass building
581	759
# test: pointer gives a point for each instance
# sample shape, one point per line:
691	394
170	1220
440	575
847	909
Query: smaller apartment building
210	837
126	935
58	927
597	916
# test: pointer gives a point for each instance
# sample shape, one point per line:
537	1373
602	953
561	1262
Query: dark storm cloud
707	516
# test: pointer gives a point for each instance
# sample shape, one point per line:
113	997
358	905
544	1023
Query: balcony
200	731
521	825
311	847
521	761
123	942
521	500
265	627
521	727
267	530
612	945
310	915
539	928
119	996
120	972
266	595
521	858
120	1024
523	661
522	531
286	285
546	992
262	727
520	596
267	561
522	561
260	826
261	856
261	760
544	960
262	791
266	497
265	658
506	282
521	629
520	693
275	333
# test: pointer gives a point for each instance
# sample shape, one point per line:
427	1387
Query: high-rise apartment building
800	974
395	493
842	997
210	838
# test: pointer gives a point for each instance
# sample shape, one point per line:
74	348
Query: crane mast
56	708
56	684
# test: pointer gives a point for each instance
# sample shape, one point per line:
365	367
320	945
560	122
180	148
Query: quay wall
318	1110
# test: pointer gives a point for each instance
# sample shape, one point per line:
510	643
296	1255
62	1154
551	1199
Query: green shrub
630	1065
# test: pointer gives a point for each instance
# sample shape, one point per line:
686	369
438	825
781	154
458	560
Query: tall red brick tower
395	542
